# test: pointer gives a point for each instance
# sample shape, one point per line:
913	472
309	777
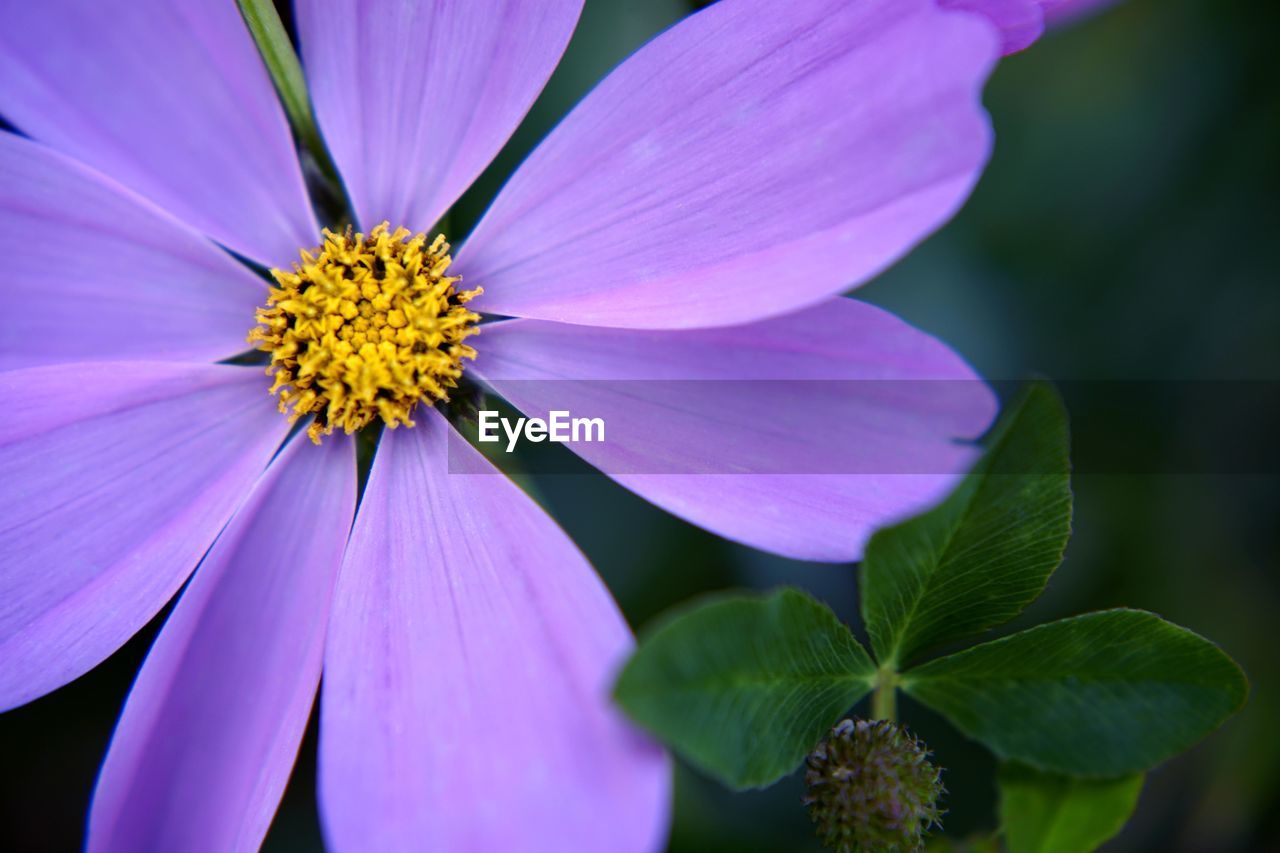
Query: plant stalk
281	59
884	702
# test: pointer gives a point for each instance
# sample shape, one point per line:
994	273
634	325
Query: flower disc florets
366	327
871	787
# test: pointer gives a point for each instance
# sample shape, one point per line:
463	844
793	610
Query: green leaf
1047	813
1103	694
744	687
984	554
286	73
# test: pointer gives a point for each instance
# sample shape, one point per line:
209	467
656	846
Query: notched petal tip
763	163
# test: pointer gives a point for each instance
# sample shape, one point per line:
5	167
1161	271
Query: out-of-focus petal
799	435
750	161
1020	22
209	734
414	99
92	271
465	702
169	97
114	479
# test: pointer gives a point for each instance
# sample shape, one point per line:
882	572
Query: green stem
884	703
286	73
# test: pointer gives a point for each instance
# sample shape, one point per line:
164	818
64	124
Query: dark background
1127	229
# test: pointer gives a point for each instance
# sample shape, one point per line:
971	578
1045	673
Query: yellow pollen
366	327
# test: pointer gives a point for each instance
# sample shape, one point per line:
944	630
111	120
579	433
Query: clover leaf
743	686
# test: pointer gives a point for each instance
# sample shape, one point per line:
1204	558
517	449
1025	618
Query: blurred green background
1127	228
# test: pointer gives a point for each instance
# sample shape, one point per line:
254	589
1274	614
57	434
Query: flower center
365	327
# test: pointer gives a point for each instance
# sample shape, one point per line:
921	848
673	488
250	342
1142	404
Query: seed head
871	787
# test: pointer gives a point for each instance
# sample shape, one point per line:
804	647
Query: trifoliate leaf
979	558
744	686
1103	694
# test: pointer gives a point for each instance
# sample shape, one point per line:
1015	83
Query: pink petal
114	479
208	736
752	160
800	435
1020	22
465	703
93	271
416	98
170	98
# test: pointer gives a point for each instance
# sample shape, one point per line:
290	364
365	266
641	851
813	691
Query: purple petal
799	435
92	271
746	163
114	479
415	98
1020	22
211	728
465	702
171	99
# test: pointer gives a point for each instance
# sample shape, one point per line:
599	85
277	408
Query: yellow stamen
366	327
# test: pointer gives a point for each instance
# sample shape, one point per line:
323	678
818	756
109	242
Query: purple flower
693	218
1022	22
